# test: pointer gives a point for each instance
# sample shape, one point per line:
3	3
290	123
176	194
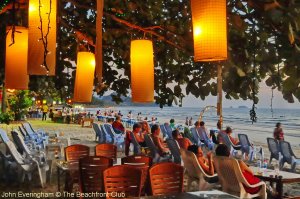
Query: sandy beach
86	136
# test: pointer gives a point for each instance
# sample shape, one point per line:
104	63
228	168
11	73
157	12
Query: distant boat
242	107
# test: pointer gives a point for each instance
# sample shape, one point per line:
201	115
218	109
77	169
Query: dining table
210	194
279	178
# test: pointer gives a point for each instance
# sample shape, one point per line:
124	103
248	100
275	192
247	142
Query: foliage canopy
264	34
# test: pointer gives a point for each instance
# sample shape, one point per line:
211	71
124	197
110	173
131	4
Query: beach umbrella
84	79
142	71
42	37
209	30
16	59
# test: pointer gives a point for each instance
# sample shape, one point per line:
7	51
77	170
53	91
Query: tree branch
159	37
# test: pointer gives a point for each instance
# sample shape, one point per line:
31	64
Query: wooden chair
91	173
166	178
123	179
74	152
140	162
72	155
106	150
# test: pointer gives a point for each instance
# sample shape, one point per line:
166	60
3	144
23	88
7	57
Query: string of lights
44	37
3	4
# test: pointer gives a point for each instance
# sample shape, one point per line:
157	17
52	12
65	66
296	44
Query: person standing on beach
45	111
187	121
191	122
278	132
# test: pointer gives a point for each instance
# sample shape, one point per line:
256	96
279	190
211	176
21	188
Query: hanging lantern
209	30
41	10
16	60
142	71
84	80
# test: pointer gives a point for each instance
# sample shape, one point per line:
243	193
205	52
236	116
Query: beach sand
86	136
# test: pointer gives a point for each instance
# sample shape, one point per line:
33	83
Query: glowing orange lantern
84	80
142	71
209	30
36	48
16	60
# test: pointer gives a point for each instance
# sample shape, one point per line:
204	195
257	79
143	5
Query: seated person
172	124
109	121
219	138
203	130
145	127
118	126
235	141
187	134
136	130
222	150
158	142
206	163
183	142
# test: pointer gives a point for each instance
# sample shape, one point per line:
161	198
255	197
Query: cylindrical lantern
42	13
16	60
209	30
84	80
142	71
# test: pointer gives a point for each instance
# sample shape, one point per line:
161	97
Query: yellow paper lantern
209	30
36	48
84	80
16	60
142	71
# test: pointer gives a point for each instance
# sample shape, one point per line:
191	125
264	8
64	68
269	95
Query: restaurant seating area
104	168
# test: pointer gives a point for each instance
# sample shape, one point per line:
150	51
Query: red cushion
251	179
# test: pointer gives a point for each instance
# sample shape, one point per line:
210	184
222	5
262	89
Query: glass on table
276	169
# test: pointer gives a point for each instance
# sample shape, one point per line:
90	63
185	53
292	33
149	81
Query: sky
264	96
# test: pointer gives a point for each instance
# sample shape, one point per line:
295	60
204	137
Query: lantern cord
253	116
278	69
13	27
44	37
272	97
